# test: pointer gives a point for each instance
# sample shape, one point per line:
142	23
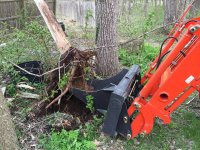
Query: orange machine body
167	86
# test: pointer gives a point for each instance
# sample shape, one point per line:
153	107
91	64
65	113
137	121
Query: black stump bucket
112	97
34	67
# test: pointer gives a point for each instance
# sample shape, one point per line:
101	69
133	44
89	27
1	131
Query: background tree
145	7
173	9
195	9
170	11
8	138
106	37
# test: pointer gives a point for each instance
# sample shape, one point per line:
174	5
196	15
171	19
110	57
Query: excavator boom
175	77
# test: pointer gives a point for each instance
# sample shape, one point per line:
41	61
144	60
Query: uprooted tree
72	62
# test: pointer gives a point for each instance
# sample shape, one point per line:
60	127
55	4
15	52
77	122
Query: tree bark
55	29
145	7
171	11
195	9
181	7
8	138
106	37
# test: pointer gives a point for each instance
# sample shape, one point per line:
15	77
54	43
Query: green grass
66	140
81	139
142	57
183	130
191	129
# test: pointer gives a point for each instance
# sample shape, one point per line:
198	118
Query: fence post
54	7
22	13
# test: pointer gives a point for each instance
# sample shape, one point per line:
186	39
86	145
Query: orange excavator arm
175	76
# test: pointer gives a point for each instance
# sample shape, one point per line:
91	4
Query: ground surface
182	133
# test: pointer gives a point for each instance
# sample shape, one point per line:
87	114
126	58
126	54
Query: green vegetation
133	23
191	128
33	40
181	133
87	34
66	141
76	139
90	102
87	73
63	81
142	57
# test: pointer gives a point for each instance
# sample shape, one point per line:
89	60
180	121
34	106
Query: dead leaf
97	143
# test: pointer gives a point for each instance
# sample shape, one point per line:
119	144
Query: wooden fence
12	11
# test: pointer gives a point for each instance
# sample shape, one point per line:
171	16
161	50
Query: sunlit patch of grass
182	133
191	129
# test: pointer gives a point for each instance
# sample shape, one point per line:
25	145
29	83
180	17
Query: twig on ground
192	99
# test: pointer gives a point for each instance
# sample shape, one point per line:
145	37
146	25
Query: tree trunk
145	7
106	37
156	3
171	11
181	7
195	9
8	138
55	29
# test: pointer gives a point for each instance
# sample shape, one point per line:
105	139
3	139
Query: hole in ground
72	106
74	113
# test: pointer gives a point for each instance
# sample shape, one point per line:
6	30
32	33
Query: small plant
89	15
66	140
90	130
53	93
23	112
90	102
15	78
149	22
11	89
63	81
87	71
33	40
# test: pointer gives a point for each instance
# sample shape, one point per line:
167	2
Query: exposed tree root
74	62
66	89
